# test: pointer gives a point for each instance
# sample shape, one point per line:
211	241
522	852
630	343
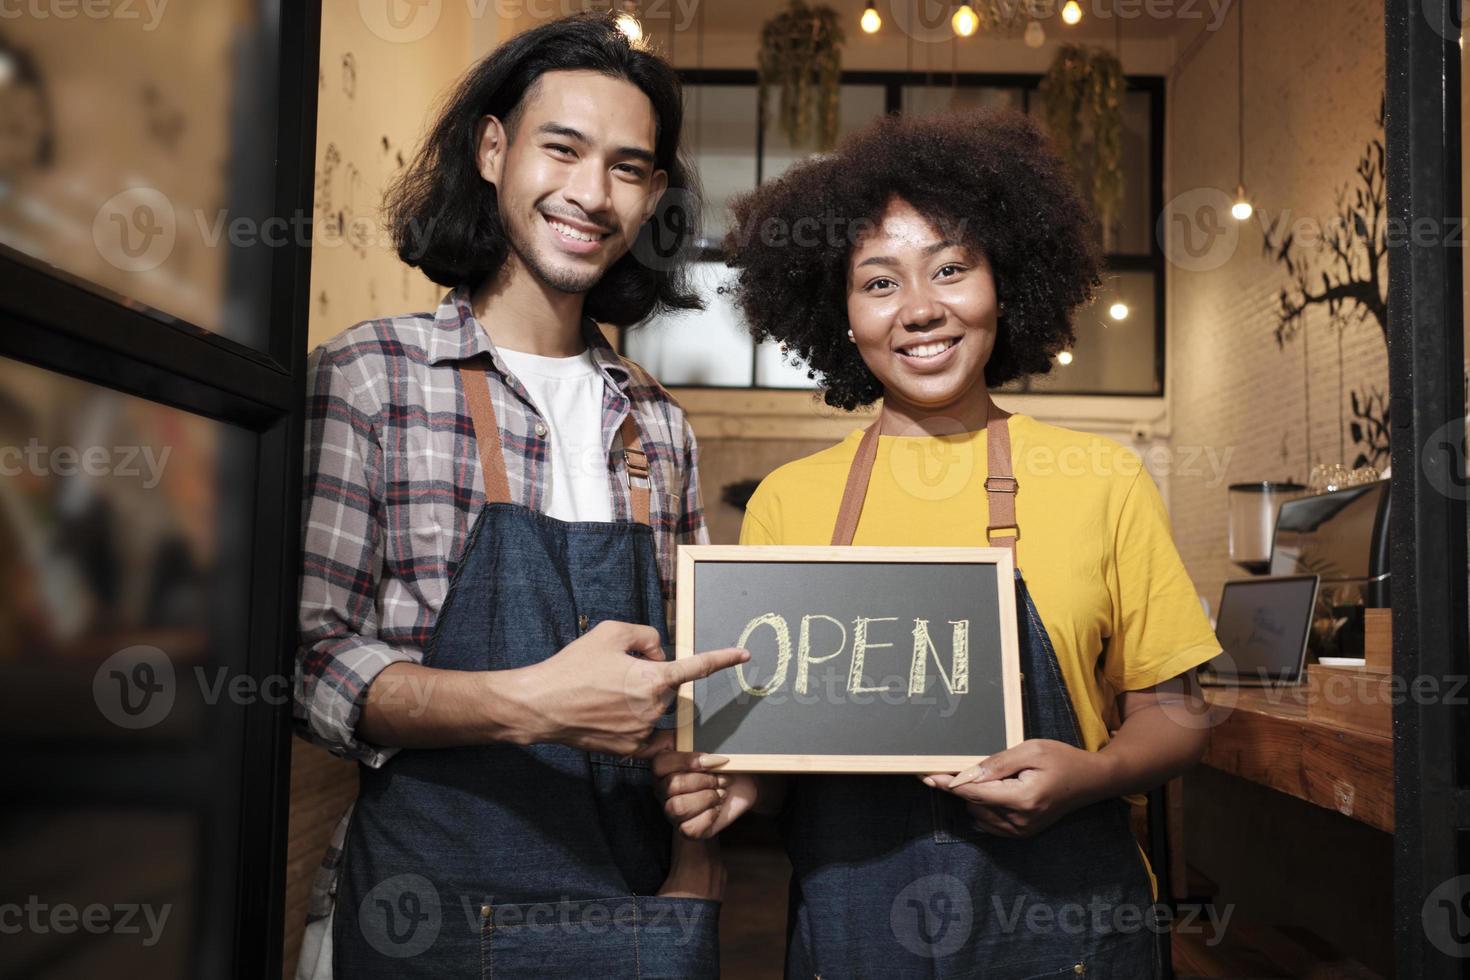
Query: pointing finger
701	665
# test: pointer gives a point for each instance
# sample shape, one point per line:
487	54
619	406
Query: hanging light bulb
1064	358
1118	311
965	20
1071	13
627	22
870	20
1241	210
1035	36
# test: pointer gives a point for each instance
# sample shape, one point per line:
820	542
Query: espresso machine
1341	535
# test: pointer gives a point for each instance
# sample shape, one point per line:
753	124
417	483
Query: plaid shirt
393	486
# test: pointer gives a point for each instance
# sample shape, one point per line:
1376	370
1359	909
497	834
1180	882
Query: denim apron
892	880
503	860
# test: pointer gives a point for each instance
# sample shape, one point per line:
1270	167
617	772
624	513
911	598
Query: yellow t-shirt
1095	549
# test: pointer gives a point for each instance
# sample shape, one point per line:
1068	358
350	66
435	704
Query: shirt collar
458	336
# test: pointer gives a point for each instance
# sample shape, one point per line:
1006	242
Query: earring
851	337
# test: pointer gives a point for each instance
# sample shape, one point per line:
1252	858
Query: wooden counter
1264	735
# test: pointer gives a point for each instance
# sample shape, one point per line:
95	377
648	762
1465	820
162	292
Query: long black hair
444	216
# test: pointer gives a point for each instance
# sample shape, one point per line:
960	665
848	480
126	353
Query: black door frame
237	780
1426	384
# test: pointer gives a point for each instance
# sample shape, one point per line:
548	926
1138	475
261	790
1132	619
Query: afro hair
987	178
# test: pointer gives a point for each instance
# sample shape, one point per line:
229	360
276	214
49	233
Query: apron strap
476	382
636	461
1000	484
856	490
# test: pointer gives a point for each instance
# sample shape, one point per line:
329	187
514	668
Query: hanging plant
1082	104
801	55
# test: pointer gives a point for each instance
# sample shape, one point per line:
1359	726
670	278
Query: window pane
124	542
1135	221
1114	356
776	370
943	97
708	347
857	105
721	137
170	213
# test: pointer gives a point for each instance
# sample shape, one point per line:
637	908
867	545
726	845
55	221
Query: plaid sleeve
339	652
691	527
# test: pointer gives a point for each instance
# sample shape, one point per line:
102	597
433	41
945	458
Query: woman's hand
1028	787
699	801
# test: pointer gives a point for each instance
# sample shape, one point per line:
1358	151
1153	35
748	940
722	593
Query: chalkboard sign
900	660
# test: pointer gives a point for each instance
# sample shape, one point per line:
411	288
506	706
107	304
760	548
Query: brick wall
1313	85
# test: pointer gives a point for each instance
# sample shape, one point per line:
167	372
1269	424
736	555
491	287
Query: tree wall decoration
1343	272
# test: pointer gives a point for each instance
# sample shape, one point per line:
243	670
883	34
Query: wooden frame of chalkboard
995	606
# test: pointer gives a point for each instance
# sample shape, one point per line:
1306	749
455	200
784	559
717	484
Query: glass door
155	197
1427	367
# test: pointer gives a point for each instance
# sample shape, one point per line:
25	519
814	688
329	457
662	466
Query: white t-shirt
567	391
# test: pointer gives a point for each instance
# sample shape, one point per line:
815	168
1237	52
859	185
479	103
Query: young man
493	502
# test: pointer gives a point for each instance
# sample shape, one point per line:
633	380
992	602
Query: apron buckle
637	462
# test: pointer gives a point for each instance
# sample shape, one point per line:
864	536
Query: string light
1072	13
1035	34
628	23
1241	210
870	20
965	20
1118	311
1064	358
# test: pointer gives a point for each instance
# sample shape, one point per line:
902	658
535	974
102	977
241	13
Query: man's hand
593	696
1028	787
590	694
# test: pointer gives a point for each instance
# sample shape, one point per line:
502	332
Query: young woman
954	251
